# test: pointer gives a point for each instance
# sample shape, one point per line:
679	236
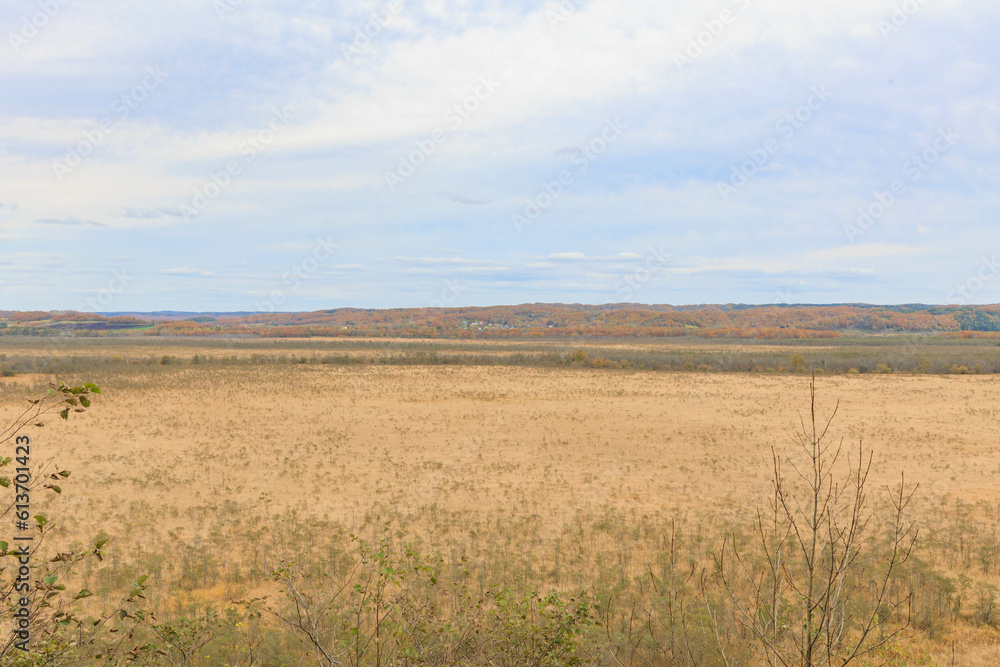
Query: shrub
49	608
812	544
798	363
986	600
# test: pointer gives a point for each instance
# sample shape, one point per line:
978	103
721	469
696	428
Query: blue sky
256	155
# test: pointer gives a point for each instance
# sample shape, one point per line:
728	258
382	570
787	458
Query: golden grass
336	439
168	453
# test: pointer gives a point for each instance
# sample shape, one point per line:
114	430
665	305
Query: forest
733	321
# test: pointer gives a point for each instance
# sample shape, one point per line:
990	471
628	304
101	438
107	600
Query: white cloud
184	271
440	260
866	251
557	87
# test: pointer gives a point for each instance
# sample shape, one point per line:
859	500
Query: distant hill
531	321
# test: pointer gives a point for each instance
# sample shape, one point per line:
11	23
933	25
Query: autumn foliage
733	321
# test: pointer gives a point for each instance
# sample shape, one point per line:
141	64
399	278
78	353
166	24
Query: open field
906	353
557	478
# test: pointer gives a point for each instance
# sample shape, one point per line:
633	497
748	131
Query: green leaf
83	594
64	414
55	488
64	473
41	519
50	580
141	580
85	402
4	482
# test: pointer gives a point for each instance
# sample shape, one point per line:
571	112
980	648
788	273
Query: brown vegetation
507	514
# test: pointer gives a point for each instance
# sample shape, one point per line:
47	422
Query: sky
257	155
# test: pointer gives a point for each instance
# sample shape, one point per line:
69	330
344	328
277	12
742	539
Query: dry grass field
561	477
